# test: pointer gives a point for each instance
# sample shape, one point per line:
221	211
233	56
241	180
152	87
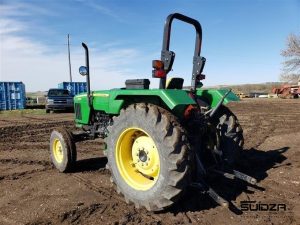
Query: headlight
69	100
50	100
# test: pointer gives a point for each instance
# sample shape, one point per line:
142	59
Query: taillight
159	73
157	64
158	67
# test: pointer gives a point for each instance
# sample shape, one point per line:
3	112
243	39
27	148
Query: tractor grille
78	111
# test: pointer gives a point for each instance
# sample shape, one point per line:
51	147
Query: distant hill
247	88
36	94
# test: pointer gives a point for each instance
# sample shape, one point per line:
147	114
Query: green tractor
158	141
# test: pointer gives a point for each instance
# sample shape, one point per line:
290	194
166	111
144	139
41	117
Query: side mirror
83	70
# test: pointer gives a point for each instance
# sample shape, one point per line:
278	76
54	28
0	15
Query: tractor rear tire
62	149
230	135
144	131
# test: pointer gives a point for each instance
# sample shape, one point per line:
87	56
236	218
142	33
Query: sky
242	40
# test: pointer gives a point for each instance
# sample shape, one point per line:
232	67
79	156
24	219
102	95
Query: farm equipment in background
287	91
242	95
159	141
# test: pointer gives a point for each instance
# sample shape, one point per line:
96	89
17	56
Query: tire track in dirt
16	176
38	145
7	123
13	136
15	130
28	162
108	193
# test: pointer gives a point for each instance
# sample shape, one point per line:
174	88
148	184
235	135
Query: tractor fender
174	100
213	96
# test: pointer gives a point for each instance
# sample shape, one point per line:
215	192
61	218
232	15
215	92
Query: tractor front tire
148	156
62	150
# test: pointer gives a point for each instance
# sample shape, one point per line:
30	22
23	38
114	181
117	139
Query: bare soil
33	192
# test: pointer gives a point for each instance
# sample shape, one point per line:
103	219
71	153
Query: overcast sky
242	39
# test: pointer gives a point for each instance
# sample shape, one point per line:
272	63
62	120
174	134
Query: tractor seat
137	84
174	83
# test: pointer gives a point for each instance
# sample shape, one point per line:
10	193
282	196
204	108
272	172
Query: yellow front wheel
62	149
57	150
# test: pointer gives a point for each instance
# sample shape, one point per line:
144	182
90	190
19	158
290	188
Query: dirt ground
33	192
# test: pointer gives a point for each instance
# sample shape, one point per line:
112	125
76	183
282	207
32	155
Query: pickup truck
59	99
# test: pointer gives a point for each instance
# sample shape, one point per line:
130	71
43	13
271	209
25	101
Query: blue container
73	87
12	95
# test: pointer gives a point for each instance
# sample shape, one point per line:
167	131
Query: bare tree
289	78
291	66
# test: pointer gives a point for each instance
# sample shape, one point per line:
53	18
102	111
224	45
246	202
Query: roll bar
168	56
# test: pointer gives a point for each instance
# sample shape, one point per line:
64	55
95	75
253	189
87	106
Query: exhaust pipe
85	71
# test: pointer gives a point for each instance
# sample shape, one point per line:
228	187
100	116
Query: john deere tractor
158	141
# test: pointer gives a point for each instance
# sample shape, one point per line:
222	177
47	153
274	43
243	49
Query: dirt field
33	192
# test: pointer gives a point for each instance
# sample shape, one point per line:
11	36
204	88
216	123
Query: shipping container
12	95
74	87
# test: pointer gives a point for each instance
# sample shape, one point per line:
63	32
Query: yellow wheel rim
57	150
137	158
